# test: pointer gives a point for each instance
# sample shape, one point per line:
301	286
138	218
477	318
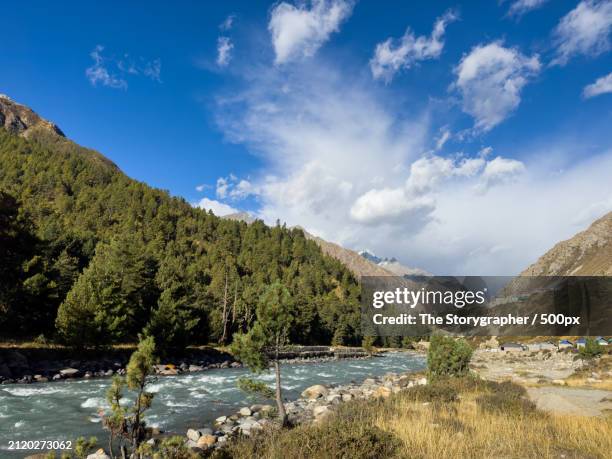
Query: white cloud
584	30
299	31
224	51
227	23
220	209
112	72
390	56
222	187
490	79
343	161
444	137
500	170
520	7
99	74
602	85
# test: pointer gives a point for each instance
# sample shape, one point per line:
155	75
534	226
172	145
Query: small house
602	341
581	342
565	344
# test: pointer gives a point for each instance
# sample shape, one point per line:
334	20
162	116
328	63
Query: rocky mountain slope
588	253
393	265
19	119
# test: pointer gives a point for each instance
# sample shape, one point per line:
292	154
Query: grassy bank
454	418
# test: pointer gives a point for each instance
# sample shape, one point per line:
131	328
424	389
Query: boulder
245	411
347	397
314	392
100	454
193	435
205	441
69	372
320	412
221	420
334	399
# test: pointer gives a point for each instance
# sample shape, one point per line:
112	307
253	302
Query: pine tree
263	343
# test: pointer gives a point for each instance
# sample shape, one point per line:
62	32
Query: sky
461	138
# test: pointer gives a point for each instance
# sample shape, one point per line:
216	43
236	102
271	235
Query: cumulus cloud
520	7
584	30
112	72
224	51
602	85
299	31
391	55
220	209
343	161
490	80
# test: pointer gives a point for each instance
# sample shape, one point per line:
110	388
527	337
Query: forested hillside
90	256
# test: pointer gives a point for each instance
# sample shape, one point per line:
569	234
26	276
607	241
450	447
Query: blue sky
460	138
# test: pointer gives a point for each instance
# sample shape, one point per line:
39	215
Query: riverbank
315	404
461	417
43	364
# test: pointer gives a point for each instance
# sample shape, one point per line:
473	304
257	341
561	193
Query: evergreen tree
263	343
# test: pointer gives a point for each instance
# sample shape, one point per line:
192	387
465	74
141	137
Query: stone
100	454
205	441
221	419
369	382
245	411
193	435
421	382
334	399
558	382
381	391
320	412
57	377
314	392
69	372
194	368
347	397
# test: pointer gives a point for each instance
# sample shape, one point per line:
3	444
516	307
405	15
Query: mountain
21	120
91	256
588	253
393	265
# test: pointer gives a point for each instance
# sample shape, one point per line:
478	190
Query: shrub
591	349
448	357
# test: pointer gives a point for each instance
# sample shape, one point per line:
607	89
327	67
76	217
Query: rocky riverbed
25	366
316	403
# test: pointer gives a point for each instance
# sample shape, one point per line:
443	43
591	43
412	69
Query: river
68	409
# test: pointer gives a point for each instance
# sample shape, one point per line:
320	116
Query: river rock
206	441
221	420
347	397
320	412
334	399
194	368
193	435
314	392
69	372
245	411
100	454
421	382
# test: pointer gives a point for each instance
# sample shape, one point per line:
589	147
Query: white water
68	409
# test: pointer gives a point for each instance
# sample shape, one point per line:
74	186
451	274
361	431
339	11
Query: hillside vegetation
91	257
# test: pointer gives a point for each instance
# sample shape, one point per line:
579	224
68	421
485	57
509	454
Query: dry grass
467	429
459	419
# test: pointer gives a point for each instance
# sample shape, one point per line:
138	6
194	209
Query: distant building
581	342
512	347
545	346
565	344
602	341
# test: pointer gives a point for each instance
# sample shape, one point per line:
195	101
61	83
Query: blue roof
565	341
581	340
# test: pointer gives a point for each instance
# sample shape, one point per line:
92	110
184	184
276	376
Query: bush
591	349
448	357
